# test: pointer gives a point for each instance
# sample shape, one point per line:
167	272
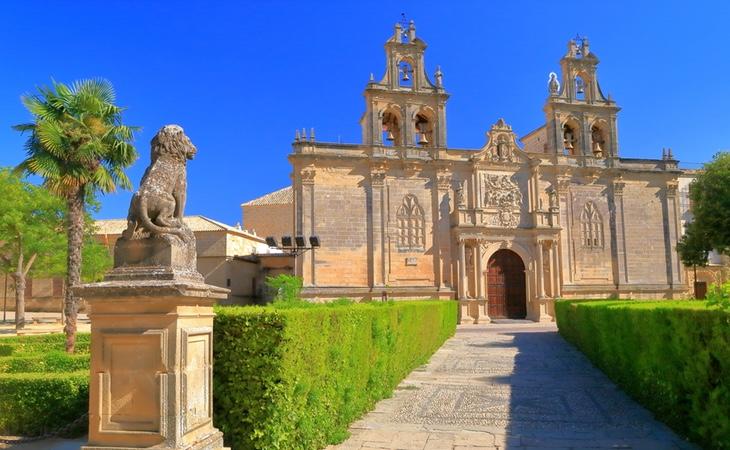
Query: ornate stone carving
157	207
672	186
157	244
618	186
308	173
553	84
443	179
460	200
504	194
501	144
563	184
377	174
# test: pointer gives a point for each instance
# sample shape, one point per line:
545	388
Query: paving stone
511	386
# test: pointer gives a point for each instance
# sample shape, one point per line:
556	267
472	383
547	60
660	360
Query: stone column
539	272
441	238
556	265
479	275
462	270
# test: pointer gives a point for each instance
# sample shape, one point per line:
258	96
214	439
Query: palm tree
80	148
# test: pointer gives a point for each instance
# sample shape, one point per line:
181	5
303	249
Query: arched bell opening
391	127
571	134
405	74
506	286
423	126
599	139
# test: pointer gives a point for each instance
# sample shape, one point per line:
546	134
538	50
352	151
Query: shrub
286	288
34	403
673	357
295	378
719	295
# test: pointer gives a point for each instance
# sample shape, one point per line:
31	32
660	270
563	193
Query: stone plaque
412	261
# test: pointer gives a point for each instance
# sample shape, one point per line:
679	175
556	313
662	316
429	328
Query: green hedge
26	345
55	361
296	378
33	403
672	356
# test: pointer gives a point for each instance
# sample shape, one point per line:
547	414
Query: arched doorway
506	286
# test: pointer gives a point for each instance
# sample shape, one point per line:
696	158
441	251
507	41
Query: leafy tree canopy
33	221
710	195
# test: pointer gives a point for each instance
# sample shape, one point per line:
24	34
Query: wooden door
506	286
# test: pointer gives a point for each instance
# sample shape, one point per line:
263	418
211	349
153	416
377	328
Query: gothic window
411	229
591	226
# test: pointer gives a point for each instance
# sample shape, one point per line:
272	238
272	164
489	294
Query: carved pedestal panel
151	365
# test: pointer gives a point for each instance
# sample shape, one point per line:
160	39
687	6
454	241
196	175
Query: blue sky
240	77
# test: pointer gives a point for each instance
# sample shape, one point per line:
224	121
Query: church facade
507	228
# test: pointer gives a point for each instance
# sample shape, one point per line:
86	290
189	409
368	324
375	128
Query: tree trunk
19	300
19	278
73	276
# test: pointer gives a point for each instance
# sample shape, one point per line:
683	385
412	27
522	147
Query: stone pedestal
151	363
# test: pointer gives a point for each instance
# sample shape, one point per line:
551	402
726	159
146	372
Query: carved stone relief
504	194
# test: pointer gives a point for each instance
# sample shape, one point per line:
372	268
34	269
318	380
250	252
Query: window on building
591	227
411	230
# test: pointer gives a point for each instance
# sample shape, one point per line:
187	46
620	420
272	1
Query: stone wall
269	220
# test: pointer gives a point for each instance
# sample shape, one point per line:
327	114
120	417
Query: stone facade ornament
501	144
618	186
460	200
553	84
503	194
672	186
443	179
308	174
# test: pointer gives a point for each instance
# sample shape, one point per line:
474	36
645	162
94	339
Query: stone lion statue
157	207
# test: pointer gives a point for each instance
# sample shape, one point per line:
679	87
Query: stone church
506	228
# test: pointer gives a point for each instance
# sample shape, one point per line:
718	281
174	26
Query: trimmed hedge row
41	387
26	345
48	362
296	378
671	356
33	403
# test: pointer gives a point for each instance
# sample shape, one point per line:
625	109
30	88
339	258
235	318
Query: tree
79	146
710	195
31	234
693	249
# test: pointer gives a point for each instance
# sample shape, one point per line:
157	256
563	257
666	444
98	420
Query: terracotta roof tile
283	196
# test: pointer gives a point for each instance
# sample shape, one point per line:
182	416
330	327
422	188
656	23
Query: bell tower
405	108
581	121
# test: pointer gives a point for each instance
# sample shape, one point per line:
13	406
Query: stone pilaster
621	253
151	381
672	233
306	260
441	237
377	238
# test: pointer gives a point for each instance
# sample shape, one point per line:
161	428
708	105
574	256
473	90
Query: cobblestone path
509	386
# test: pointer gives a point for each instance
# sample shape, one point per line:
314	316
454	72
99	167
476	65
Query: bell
423	140
580	86
390	136
406	77
569	144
